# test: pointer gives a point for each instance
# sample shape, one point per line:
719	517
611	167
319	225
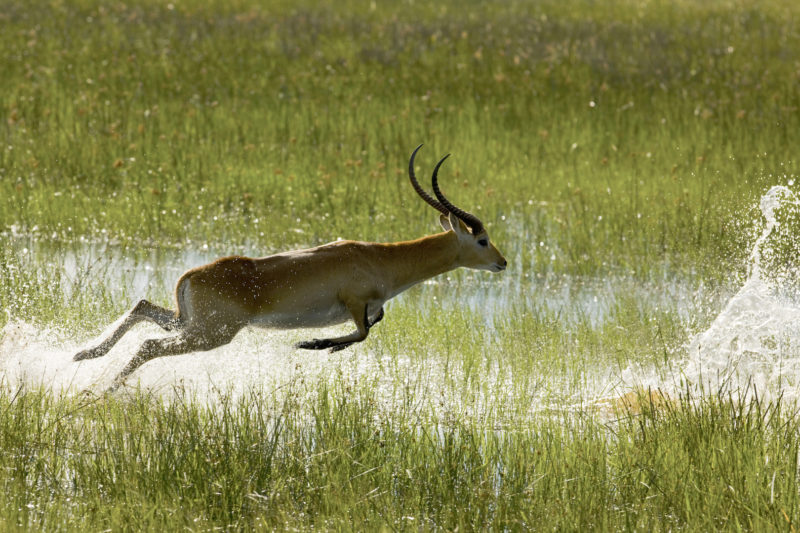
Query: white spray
753	345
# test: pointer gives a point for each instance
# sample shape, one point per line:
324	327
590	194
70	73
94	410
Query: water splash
258	359
260	362
753	345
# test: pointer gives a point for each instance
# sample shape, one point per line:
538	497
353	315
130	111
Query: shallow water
752	343
129	273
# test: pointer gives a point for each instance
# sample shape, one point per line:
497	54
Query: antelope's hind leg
143	310
188	340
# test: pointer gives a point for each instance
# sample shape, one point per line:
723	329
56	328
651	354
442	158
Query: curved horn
467	218
425	196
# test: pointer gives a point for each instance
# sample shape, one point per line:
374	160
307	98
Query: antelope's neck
414	261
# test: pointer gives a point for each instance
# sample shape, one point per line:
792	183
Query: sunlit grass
617	135
694	464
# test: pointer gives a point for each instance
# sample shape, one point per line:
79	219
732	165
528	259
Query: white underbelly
310	318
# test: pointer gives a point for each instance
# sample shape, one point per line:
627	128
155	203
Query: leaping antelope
322	286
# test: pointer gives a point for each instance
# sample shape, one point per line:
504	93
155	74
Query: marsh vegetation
633	369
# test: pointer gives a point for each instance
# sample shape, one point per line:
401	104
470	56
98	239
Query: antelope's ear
445	223
458	225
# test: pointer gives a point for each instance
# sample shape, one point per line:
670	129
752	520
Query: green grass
139	465
234	122
616	150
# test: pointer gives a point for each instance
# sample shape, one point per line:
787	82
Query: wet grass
616	151
136	464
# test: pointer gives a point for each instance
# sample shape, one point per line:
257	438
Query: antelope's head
476	250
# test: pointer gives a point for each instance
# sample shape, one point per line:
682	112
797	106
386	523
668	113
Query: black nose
504	263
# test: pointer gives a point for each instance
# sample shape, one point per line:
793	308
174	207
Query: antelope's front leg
340	343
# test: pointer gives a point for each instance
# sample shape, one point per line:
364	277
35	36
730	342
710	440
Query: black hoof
314	344
339	347
86	354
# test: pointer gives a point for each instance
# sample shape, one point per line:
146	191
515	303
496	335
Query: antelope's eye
484	242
